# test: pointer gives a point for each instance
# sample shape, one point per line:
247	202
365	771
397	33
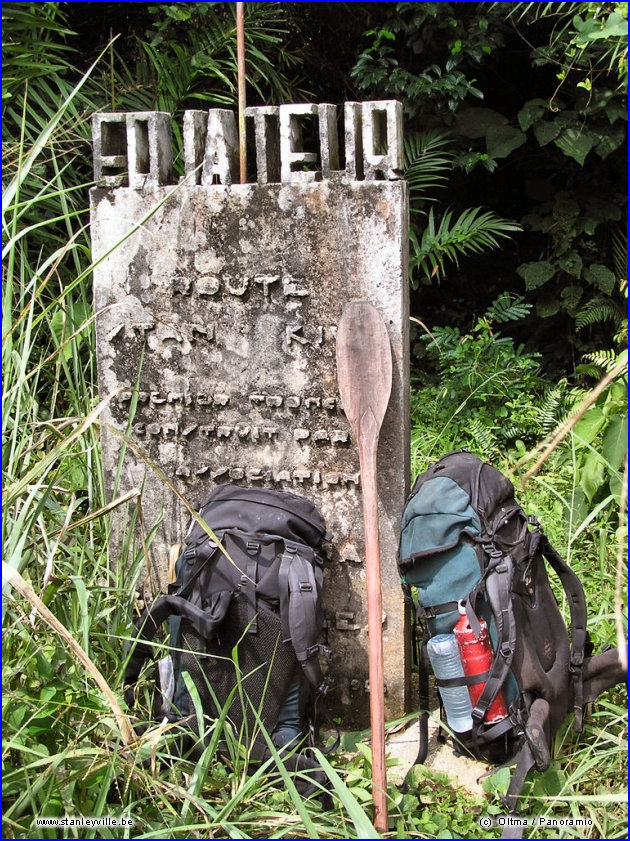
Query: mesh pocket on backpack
261	671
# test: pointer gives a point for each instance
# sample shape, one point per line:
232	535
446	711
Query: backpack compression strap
524	763
420	659
423	696
205	622
299	583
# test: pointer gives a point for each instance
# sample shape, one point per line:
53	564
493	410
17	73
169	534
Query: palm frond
426	162
473	231
195	61
620	252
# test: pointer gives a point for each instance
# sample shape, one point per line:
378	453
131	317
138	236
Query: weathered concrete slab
216	320
403	747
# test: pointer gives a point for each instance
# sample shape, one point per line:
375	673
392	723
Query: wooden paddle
364	373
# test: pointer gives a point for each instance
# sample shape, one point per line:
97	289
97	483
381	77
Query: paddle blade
364	363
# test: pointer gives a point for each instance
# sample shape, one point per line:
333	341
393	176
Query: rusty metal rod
240	60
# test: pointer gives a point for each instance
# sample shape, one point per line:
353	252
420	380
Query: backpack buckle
506	650
305	587
534	522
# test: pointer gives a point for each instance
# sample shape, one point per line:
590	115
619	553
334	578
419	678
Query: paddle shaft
368	444
364	374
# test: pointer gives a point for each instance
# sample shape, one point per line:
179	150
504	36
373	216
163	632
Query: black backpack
466	542
255	592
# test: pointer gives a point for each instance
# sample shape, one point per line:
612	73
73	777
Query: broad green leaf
617	399
592	475
601	277
616	484
545	132
592	29
589	426
565	209
501	140
477	122
571	295
575	143
535	274
610	141
571	263
499	780
615	111
47	693
615	443
63	326
531	112
549	782
547	307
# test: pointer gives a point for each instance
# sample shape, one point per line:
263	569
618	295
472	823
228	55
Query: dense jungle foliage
515	154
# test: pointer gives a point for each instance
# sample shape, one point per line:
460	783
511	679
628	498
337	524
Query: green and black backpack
244	623
467	545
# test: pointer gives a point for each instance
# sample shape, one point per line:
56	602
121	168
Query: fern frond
605	360
556	404
512	431
508	307
598	310
588	369
483	436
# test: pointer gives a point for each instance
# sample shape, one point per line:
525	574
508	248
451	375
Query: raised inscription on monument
217	307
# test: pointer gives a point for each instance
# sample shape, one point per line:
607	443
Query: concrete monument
217	305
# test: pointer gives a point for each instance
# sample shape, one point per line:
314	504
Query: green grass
62	748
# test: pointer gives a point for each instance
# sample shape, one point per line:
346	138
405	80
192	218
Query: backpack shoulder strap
577	607
498	587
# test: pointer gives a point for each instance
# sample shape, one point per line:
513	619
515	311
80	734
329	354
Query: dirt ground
403	745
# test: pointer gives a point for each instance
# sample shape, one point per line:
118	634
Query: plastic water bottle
444	656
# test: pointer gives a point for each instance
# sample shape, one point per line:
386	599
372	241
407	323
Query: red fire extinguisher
476	656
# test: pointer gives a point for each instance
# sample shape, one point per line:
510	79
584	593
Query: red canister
476	656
